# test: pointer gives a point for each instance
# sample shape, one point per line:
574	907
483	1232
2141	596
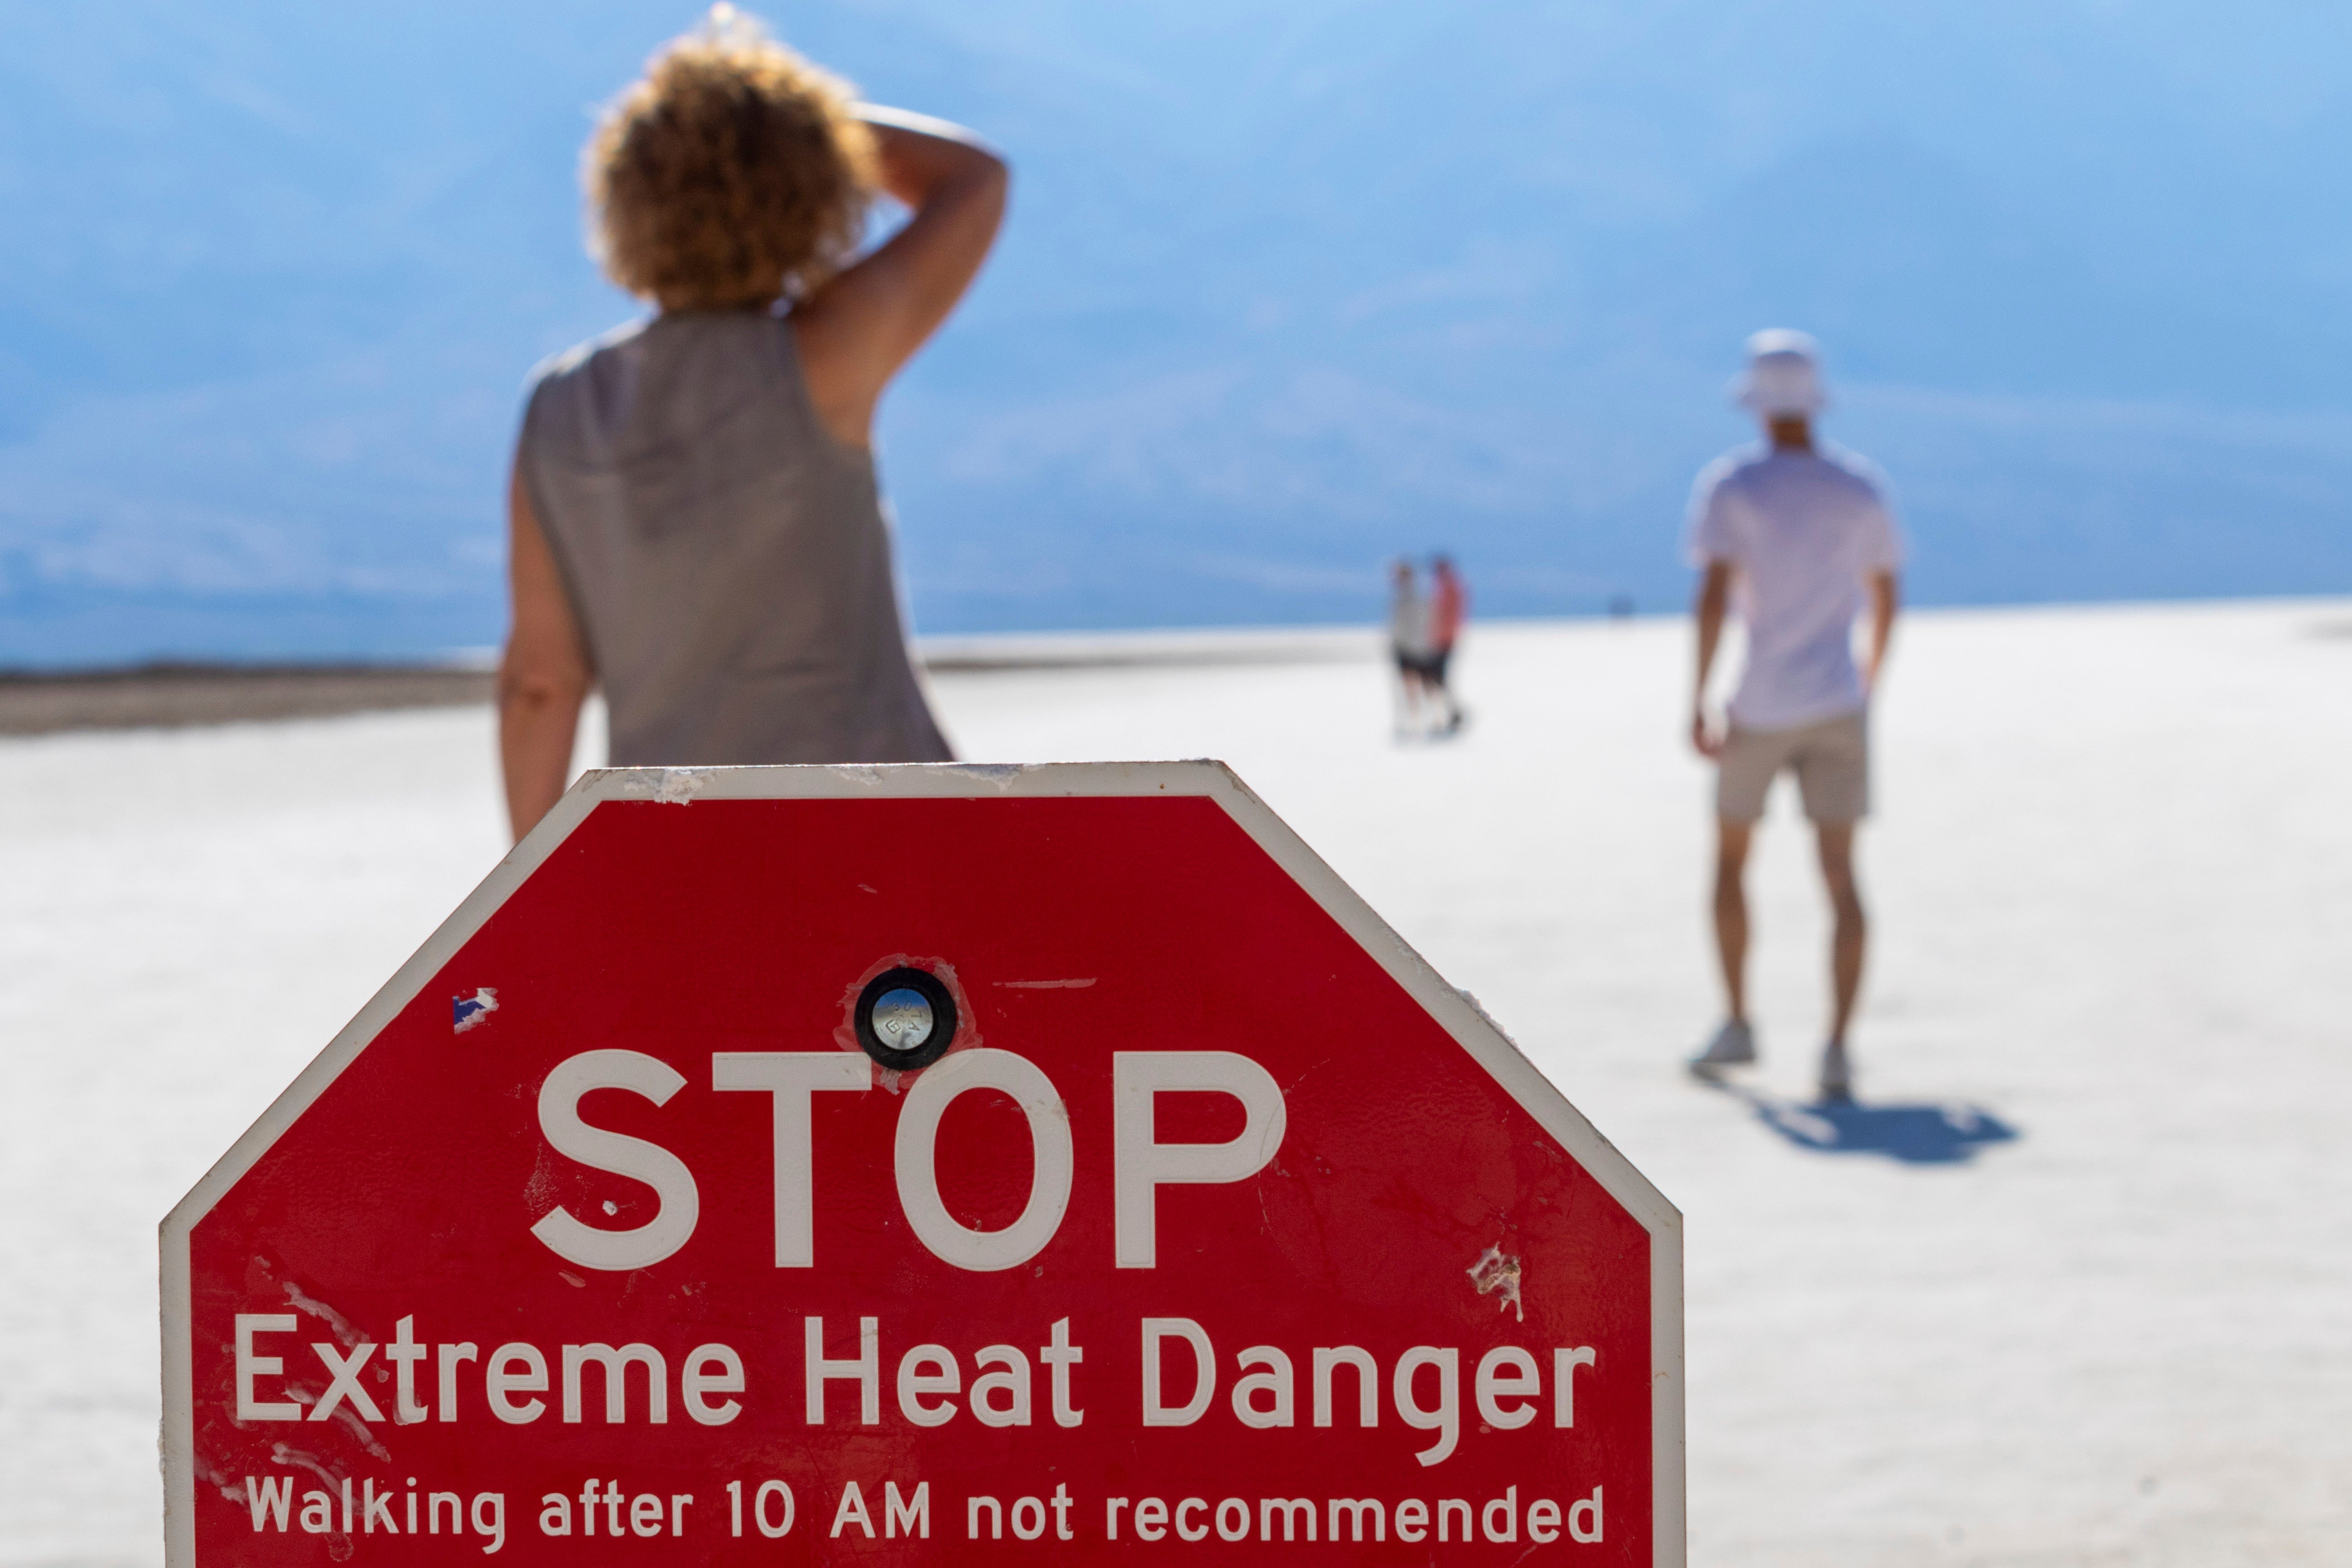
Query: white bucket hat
1783	374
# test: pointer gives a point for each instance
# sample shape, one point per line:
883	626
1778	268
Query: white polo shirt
1804	532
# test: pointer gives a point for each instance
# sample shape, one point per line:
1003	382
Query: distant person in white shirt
1798	538
1408	629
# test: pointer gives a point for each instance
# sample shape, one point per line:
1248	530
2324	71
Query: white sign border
1454	1010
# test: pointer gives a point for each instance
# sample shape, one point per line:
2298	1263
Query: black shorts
1428	665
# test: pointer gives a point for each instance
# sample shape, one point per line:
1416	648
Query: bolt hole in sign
920	1164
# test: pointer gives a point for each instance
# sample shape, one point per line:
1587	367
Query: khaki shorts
1830	760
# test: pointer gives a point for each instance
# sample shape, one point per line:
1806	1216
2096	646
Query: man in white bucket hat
1798	539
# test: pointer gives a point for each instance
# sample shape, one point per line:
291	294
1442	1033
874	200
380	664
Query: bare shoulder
1728	466
555	395
1863	473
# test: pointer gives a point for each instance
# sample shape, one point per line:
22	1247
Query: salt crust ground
2113	882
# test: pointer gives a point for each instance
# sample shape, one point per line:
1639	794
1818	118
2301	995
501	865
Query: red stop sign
1222	1225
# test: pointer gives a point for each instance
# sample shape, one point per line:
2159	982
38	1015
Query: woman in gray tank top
696	523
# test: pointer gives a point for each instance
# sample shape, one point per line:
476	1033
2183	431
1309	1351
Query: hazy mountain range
1286	289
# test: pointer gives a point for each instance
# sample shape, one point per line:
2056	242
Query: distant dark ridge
1005	652
174	694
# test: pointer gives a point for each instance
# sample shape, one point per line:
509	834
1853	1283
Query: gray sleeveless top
727	559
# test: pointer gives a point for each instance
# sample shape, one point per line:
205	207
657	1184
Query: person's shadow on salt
1915	1134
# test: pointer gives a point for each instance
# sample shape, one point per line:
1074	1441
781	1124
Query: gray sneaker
1734	1046
1837	1075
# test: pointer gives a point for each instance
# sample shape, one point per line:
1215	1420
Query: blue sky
1283	292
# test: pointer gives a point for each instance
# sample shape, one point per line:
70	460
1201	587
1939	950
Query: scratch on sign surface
324	1313
292	1458
1046	984
1497	1272
478	1008
350	1417
213	1476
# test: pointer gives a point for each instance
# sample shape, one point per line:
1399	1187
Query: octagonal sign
793	1166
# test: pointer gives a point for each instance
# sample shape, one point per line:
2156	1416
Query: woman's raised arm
868	320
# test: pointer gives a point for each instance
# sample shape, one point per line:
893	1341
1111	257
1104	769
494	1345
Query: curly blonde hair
733	172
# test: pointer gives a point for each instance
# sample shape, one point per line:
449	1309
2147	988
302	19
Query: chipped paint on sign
475	1009
678	785
1497	1272
1002	775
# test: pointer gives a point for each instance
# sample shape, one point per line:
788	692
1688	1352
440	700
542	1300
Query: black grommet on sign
906	1019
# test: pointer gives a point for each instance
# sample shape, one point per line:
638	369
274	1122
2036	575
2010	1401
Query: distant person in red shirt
1449	607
